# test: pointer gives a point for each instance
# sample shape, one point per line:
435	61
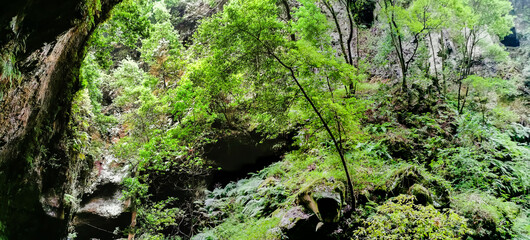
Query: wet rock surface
103	212
36	171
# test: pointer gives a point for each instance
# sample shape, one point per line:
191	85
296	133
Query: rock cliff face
521	10
45	42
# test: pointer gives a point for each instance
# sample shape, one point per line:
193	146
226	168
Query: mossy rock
324	198
403	179
296	224
399	147
440	192
430	190
292	217
363	197
422	194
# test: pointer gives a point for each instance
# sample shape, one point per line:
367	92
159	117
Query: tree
449	12
247	45
129	23
353	8
162	49
431	16
402	21
481	90
481	18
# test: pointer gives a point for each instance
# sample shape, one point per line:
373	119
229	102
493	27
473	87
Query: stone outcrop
324	198
103	209
190	13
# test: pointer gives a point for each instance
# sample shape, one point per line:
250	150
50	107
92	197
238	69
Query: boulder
324	198
402	179
427	189
101	213
422	194
296	224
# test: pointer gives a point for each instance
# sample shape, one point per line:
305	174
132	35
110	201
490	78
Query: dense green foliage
400	218
437	151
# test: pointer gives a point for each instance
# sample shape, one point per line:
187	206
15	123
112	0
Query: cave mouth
365	13
329	209
236	156
511	40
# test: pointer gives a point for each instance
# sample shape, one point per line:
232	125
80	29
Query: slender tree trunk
404	78
444	57
464	101
328	130
471	54
463	67
435	82
132	231
339	125
398	46
458	96
471	39
350	36
399	52
337	25
357	47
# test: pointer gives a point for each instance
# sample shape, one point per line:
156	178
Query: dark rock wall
190	13
35	168
521	10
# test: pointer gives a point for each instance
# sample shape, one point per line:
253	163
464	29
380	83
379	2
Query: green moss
324	198
422	194
92	10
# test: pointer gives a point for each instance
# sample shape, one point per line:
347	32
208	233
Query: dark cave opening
511	40
237	156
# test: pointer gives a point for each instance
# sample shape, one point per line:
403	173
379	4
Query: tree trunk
357	47
328	130
337	25
350	37
435	80
398	46
132	231
464	101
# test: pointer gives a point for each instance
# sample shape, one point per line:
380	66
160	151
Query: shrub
400	218
488	216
